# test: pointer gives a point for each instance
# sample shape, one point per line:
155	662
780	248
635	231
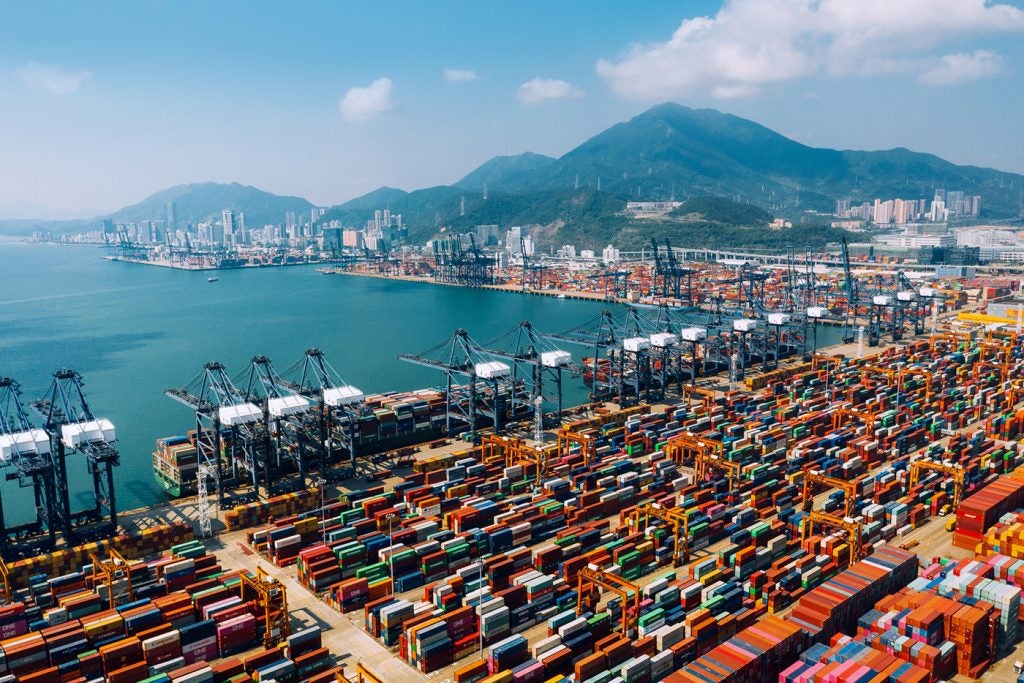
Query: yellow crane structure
957	472
516	451
589	582
705	464
951	338
110	571
5	582
822	361
677	521
849	489
985	319
865	416
853	527
363	675
684	448
584	432
707	396
567	438
271	602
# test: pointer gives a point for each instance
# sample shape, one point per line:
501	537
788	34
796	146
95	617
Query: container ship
386	421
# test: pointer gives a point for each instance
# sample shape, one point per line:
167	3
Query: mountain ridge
674	152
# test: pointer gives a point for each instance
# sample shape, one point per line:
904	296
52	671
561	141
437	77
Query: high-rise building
513	237
882	214
228	224
172	217
387	218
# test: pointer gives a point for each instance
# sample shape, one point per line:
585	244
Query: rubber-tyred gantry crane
865	416
705	464
677	521
684	449
853	527
115	568
589	582
271	602
955	471
815	477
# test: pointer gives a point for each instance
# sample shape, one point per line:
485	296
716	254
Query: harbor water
133	331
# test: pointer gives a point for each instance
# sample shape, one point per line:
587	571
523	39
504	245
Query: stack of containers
979	512
835	605
757	653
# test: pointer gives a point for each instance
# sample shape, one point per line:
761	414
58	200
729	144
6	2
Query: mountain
675	152
193	203
196	202
494	169
672	150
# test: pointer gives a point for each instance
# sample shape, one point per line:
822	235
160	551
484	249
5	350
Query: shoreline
170	265
513	289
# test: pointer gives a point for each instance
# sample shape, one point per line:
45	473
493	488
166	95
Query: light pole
321	482
391	551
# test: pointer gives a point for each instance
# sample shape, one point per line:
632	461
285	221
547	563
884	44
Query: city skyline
97	115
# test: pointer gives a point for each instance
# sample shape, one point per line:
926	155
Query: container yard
732	536
846	514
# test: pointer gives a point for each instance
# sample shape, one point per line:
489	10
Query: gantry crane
288	431
600	334
956	471
73	427
683	449
677	521
865	416
363	675
668	274
821	360
615	282
460	356
339	404
28	452
533	272
523	345
271	603
5	582
516	451
705	464
109	572
853	527
228	427
950	338
455	263
849	489
591	579
708	397
569	437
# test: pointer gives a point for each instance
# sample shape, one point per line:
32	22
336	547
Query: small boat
561	296
212	279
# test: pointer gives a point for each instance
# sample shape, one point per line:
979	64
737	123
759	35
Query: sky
104	103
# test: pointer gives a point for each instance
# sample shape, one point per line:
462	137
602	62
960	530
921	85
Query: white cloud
362	104
52	78
452	75
751	44
537	90
963	66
